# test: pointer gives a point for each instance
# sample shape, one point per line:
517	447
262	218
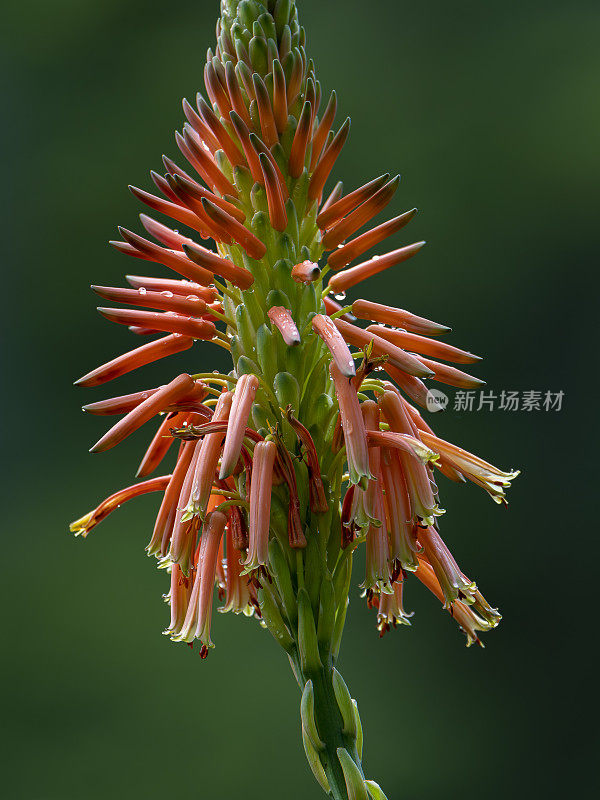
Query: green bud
274	621
292	230
287	392
313	570
375	790
344	701
258	30
340	620
272	54
283	10
285	45
314	763
321	410
283	580
259	54
359	730
341	581
299	196
253	305
245	329
242	70
310	661
236	349
258	198
265	347
247	12
309	303
279	525
260	416
326	621
288	65
243	181
278	298
261	226
245	366
282	275
307	714
355	783
267	23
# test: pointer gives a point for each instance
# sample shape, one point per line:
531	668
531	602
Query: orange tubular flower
208	459
260	505
302	450
243	397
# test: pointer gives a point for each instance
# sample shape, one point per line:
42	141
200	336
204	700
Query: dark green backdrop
490	112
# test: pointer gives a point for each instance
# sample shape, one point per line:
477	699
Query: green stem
331	729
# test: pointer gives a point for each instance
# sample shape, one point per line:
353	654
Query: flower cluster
305	449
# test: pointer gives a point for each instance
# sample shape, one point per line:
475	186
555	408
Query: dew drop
167	294
142	290
340	296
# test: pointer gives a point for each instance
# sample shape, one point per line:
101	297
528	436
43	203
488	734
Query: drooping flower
302	452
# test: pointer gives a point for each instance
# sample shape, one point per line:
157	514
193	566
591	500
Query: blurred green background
490	112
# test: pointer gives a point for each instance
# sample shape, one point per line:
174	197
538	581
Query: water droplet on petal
142	290
167	294
340	296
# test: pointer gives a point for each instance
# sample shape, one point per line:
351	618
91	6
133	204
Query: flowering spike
303	452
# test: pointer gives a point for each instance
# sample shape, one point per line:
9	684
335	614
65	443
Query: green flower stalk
305	450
